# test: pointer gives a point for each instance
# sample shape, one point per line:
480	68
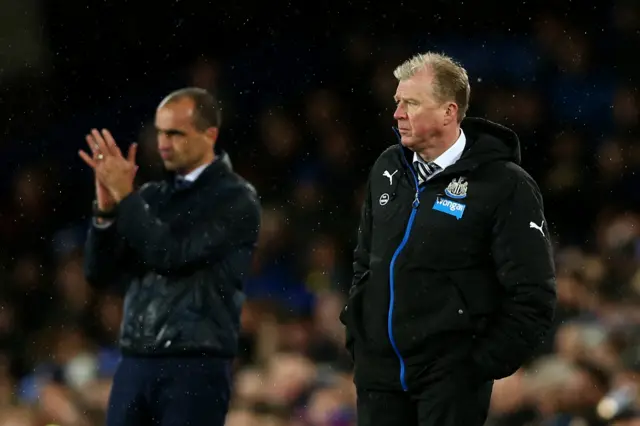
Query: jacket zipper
403	243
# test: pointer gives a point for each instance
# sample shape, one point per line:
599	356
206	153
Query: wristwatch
103	214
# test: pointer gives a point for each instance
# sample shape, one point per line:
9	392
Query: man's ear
212	134
451	113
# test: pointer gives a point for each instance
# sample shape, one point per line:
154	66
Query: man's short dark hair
206	111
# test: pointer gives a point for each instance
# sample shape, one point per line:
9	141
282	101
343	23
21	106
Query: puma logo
389	175
539	228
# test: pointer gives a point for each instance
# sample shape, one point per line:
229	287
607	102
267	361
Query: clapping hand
114	173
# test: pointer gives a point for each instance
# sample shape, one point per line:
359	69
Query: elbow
533	307
541	319
100	270
539	295
547	300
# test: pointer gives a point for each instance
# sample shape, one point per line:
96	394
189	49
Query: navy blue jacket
182	255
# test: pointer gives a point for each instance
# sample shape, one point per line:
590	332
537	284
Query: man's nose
399	113
163	141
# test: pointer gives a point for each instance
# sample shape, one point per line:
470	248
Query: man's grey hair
450	79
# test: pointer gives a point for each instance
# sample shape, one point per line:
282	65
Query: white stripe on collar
195	174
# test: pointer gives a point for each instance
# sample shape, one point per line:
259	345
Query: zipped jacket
466	253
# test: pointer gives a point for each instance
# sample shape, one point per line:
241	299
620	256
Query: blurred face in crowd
182	145
426	124
630	422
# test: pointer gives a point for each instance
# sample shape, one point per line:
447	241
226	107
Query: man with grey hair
454	281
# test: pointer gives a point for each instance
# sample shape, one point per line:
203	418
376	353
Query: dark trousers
444	390
433	407
166	391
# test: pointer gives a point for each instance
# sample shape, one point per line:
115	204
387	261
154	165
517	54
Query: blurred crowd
307	150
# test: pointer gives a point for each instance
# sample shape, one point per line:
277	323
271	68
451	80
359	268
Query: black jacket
449	257
182	255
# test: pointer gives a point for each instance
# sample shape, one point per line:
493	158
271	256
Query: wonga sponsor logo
449	207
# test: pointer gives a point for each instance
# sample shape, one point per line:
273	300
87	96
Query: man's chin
169	166
407	142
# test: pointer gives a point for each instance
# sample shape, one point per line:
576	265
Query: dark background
307	102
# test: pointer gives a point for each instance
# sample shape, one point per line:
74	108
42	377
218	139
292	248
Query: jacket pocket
427	306
479	289
480	293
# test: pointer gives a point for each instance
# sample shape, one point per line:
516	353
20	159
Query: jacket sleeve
360	254
167	250
524	262
360	263
104	255
363	247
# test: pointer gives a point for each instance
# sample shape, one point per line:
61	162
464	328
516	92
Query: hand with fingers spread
114	173
103	198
